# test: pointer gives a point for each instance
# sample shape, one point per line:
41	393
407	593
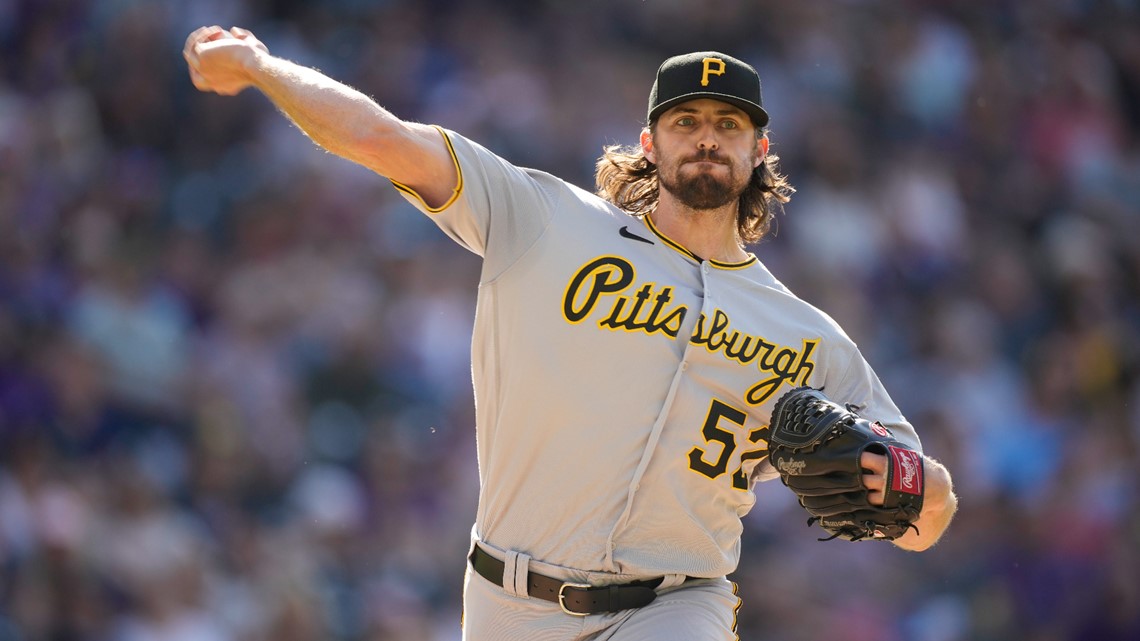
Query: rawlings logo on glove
907	466
816	446
791	468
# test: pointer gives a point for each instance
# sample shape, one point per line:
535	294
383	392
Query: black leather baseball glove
815	445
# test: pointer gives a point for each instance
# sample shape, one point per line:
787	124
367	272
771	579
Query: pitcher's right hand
220	60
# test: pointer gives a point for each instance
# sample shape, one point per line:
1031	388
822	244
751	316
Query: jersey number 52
714	432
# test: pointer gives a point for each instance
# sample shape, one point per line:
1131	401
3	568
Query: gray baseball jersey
623	384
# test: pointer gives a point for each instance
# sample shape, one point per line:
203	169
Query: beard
704	190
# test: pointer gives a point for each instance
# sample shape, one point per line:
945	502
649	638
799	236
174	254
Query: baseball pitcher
636	370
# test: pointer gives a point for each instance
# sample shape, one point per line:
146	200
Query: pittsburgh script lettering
648	308
782	364
610	275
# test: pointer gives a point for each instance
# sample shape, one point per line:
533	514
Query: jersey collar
683	250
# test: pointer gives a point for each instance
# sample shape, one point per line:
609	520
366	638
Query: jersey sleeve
497	209
860	389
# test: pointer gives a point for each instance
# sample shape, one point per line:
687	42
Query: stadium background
234	387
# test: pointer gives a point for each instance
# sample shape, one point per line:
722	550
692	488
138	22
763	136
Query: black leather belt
578	599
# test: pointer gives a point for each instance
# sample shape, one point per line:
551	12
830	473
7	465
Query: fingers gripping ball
816	446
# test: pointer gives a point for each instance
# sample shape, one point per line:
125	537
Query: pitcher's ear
647	146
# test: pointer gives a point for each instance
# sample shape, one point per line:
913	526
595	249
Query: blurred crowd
235	396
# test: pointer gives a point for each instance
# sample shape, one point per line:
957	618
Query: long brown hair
626	178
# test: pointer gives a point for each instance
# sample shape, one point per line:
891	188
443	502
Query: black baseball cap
707	74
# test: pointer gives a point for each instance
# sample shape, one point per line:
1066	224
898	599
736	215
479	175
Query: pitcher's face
705	151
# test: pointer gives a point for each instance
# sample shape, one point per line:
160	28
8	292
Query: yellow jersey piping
680	248
458	184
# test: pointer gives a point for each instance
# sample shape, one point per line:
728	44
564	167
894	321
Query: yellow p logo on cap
709	68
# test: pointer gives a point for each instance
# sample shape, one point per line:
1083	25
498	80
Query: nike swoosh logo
626	233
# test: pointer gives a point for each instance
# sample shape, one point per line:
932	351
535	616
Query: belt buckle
562	597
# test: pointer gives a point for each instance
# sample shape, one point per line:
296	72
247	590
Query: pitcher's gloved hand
816	446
